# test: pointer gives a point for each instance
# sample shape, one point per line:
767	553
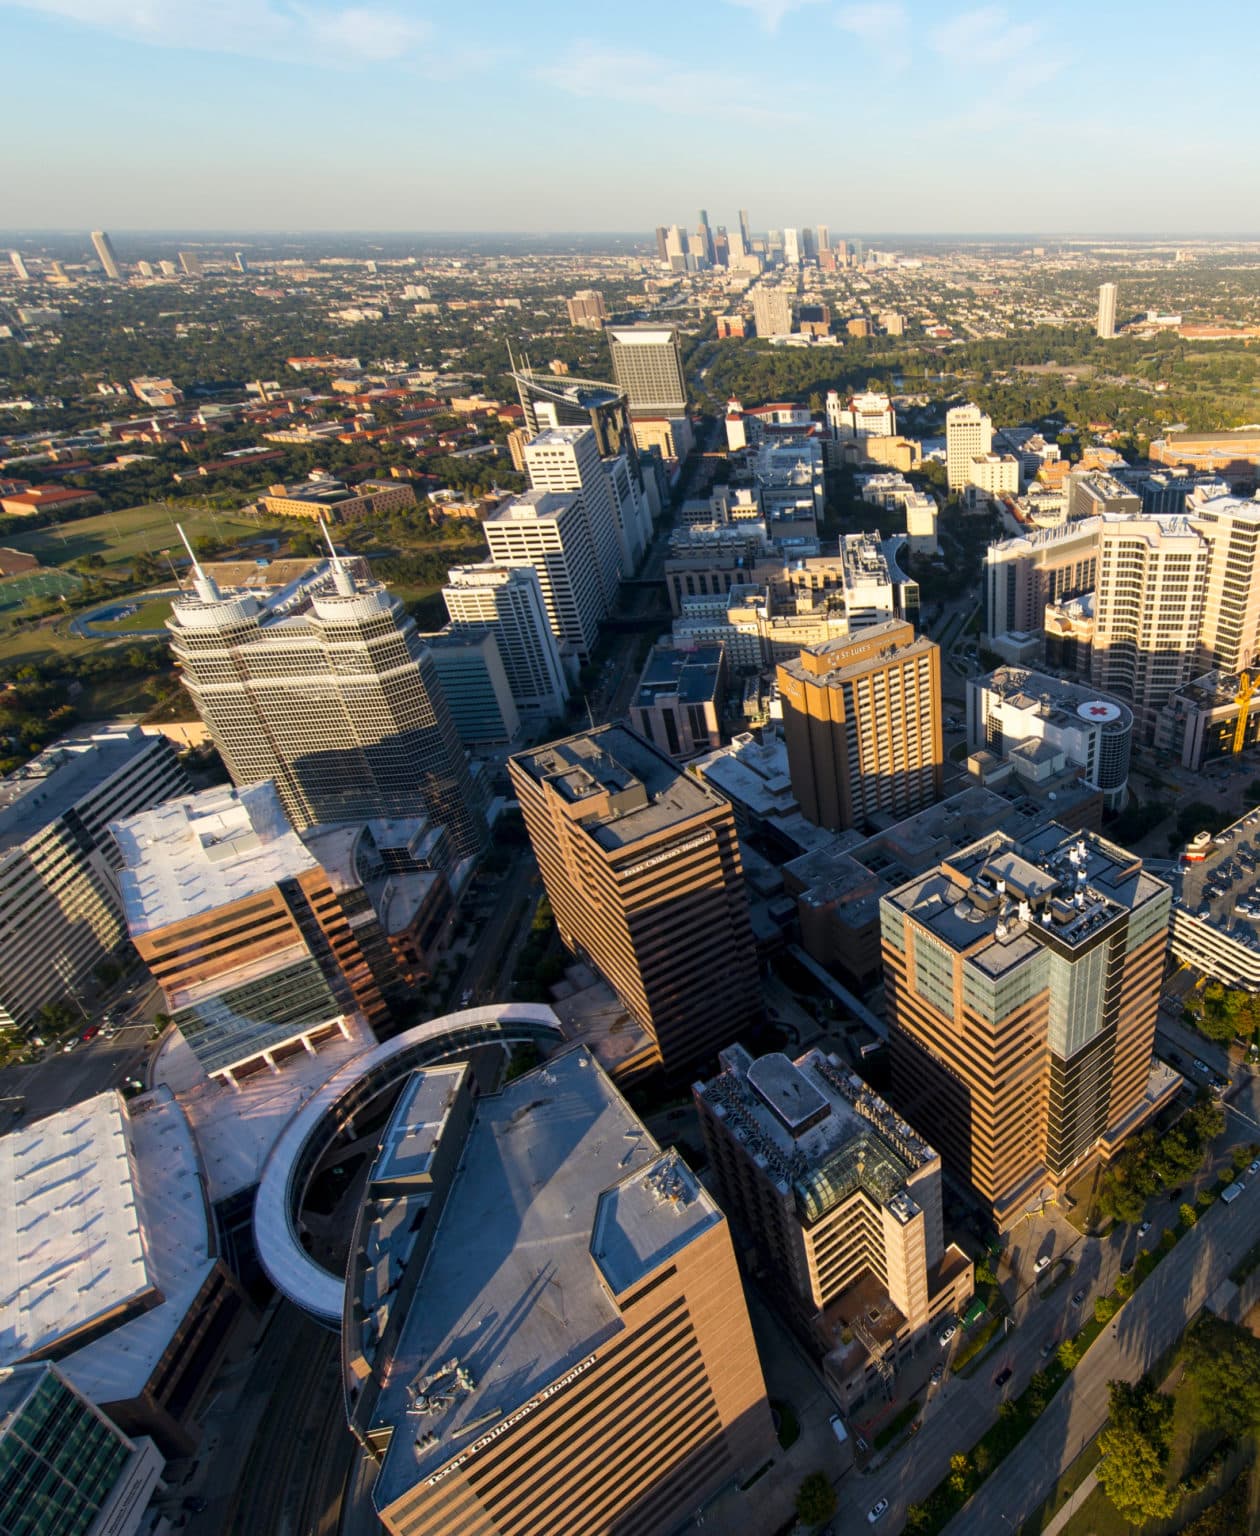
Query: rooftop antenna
203	585
342	579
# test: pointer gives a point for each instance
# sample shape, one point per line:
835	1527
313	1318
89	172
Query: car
937	1372
90	1033
109	1032
1144	1229
1078	1298
837	1428
465	997
1003	1377
69	1046
877	1510
1048	1348
195	1505
860	1442
1254	1167
1200	1066
1042	1263
946	1334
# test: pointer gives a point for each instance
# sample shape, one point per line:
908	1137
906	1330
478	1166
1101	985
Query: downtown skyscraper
104	249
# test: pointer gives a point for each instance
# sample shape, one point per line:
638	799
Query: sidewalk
1072	1505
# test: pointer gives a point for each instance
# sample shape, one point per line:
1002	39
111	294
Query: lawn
148	616
14	590
118	536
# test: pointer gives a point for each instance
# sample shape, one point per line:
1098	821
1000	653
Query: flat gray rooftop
510	1288
416	1125
59	779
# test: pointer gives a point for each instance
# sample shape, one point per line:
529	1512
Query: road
1146	1326
489	968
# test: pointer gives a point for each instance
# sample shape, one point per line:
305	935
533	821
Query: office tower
475	683
662	249
242	929
104	248
168	269
551	533
706	234
745	231
66	1467
586	309
1024	574
509	601
676	248
862	723
576	1353
1107	311
722	247
629	493
566	459
60	912
791	248
809	244
560	400
996	474
1023	985
326	688
824	238
968	433
1045	719
772	310
647	368
679	698
736	249
1229	638
19	266
1149	609
642	870
190	264
239	262
841	1200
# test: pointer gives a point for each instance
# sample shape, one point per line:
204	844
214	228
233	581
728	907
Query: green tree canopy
816	1499
1224	1361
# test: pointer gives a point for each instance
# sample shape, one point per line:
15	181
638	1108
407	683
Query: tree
1105	1308
816	1499
1135	1451
1224	1362
960	1474
1187	1213
1069	1355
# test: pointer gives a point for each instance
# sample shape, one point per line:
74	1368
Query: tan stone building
1023	985
862	722
642	869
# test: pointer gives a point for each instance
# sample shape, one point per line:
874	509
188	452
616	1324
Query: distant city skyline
1014	123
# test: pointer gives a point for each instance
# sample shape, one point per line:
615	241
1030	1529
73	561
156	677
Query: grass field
149	615
14	590
118	536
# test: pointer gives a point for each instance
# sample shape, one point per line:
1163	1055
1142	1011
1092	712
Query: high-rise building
550	532
1024	574
1229	639
791	248
19	266
509	600
190	264
861	416
706	235
567	459
242	929
1023	986
1107	311
772	310
1150	601
104	248
824	238
841	1201
745	231
326	688
662	246
67	1469
239	262
642	869
862	723
996	474
968	433
475	683
60	910
586	309
647	367
574	1351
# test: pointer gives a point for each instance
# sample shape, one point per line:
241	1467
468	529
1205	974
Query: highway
1145	1327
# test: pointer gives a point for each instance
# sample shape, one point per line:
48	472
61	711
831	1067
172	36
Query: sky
865	115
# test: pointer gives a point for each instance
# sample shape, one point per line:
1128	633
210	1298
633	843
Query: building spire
342	579
203	585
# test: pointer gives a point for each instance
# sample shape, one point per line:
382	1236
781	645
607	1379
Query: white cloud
601	73
985	37
770	12
882	26
268	29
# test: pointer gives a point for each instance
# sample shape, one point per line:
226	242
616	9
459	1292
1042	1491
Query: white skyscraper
567	459
550	532
509	600
792	247
968	434
1107	311
19	266
104	249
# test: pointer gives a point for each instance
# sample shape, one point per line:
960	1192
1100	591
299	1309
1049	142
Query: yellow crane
1245	689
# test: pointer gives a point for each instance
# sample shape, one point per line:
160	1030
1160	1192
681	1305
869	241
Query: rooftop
60	778
204	851
635	791
416	1125
556	1165
693	676
1055	699
534	507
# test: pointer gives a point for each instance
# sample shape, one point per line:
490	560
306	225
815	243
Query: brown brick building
643	873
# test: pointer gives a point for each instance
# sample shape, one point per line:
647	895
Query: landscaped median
1016	1416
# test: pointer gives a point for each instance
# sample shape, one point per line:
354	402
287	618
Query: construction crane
1246	687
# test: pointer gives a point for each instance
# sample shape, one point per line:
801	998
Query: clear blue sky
410	115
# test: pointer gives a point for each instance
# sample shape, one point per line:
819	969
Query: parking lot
1225	885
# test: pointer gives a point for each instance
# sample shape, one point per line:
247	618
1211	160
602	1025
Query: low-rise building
334	501
678	703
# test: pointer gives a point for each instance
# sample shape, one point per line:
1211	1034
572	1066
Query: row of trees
1153	1160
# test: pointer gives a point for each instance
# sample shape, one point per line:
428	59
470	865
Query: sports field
118	536
14	590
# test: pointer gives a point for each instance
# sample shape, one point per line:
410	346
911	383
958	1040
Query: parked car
1200	1066
946	1334
1042	1263
860	1442
837	1428
877	1510
937	1372
1254	1167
